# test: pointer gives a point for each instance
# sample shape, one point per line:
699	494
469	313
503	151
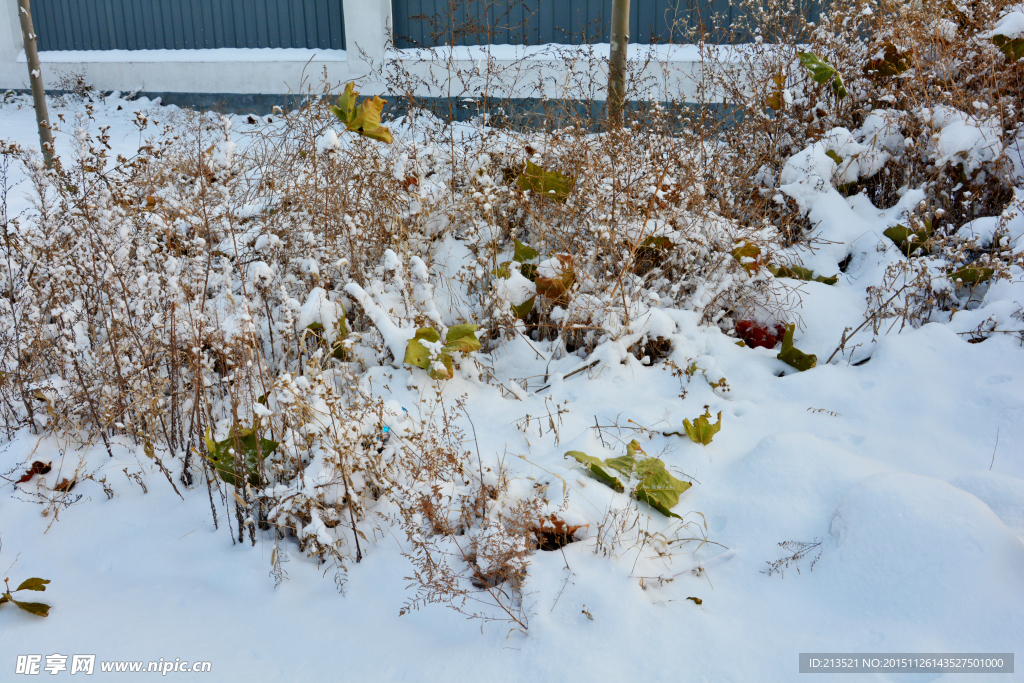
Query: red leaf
757	335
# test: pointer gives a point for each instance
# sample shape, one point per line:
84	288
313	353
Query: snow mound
963	138
320	309
1003	494
789	486
914	545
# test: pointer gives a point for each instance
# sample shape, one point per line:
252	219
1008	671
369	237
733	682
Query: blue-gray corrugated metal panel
534	22
187	24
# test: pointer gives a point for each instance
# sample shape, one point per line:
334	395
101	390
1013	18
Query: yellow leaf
363	118
367	121
347	104
550	184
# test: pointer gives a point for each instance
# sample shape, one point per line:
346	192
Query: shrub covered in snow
900	114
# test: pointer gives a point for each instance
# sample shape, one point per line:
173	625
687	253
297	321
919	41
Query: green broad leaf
747	250
252	448
447	369
342	324
645	496
834	156
596	469
416	353
632	448
838	87
427	334
794	357
821	71
801	273
346	104
37	608
462	338
972	274
339	351
658	488
459	338
527	270
626	464
33	585
211	445
551	184
659	242
524	252
622	464
316	332
362	118
524	309
908	240
1013	48
653	250
701	430
893	62
6	597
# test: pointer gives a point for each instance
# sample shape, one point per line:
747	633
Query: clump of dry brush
929	96
161	295
217	302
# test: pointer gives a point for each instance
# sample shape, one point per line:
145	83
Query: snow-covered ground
907	469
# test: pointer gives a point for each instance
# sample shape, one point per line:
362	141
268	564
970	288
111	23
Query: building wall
426	23
188	24
242	71
163	59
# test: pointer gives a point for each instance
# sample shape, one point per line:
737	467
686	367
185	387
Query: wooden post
617	66
35	74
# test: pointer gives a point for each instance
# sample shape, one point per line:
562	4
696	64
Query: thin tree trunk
617	67
35	74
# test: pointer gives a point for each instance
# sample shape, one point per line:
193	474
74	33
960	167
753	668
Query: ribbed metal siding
420	23
187	24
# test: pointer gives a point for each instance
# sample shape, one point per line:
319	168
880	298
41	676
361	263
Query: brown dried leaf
37	468
553	533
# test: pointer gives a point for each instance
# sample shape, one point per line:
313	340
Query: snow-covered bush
907	110
217	301
164	294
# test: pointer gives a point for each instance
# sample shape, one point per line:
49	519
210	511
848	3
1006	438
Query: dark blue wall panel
188	24
421	23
